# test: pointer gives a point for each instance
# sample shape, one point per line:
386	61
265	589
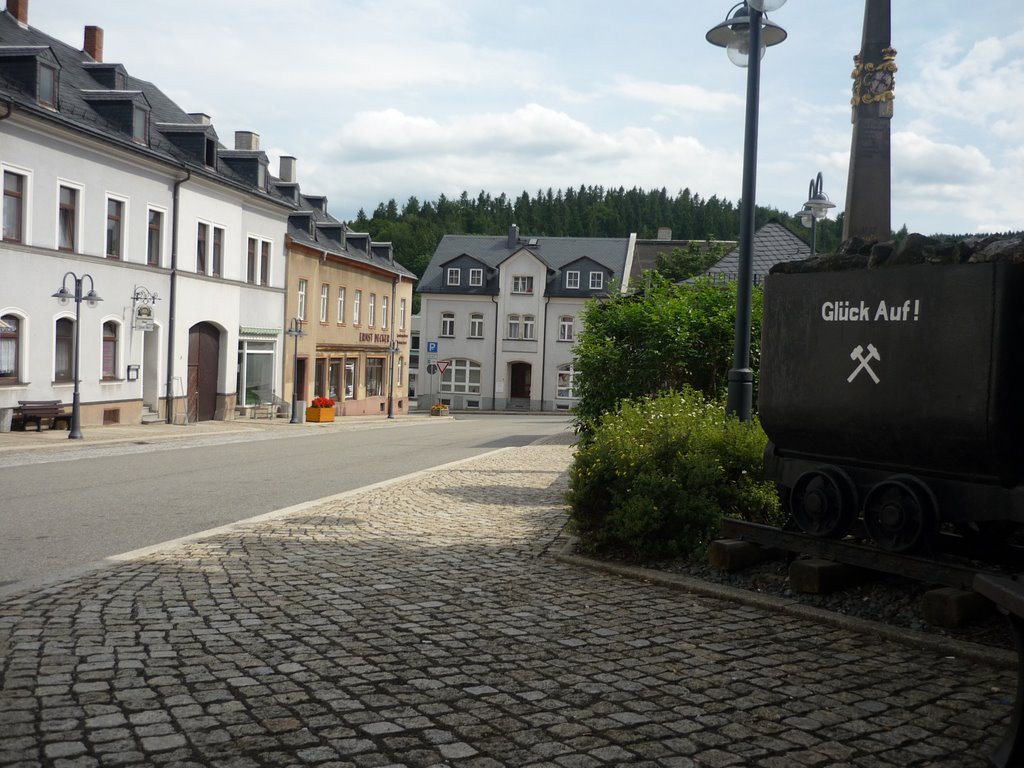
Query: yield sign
442	366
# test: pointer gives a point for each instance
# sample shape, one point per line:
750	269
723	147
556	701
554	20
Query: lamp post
745	34
91	298
815	208
295	331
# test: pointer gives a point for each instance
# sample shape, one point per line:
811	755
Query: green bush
656	477
662	337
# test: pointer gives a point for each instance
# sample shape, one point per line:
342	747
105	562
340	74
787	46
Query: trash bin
300	412
6	415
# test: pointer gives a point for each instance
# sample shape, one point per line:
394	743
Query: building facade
112	188
353	303
189	259
499	317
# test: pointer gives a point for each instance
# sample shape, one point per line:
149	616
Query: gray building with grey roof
500	315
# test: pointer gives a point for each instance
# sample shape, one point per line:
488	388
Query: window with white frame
115	228
447	323
264	262
255	381
596	281
529	327
476	277
67	218
303	284
513	327
257	267
341	304
383	311
476	325
522	284
109	367
565	385
399	370
202	243
14	206
401	314
217	252
64	350
251	262
10	349
154	238
371	315
461	376
454	276
572	279
566	328
325	301
357	308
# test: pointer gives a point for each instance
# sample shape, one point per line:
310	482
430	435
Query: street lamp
91	298
745	31
295	331
815	208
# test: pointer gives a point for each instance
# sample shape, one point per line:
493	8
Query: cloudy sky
382	100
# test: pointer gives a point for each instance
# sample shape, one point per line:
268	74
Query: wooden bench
37	410
1008	594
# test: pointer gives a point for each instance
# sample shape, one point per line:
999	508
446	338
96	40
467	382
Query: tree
664	336
684	263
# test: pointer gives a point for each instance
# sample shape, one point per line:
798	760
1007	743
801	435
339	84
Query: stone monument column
868	188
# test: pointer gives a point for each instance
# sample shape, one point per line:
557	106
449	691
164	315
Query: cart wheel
901	514
824	503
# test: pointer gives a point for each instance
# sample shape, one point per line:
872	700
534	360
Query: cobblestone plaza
427	622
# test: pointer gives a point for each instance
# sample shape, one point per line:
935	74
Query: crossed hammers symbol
857	354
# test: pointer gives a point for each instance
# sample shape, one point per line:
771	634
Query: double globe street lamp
745	34
92	299
815	208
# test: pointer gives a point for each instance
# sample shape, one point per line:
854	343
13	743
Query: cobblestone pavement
427	623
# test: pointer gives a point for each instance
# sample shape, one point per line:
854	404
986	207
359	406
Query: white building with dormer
107	181
499	317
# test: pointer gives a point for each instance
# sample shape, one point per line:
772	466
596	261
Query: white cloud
529	148
680	97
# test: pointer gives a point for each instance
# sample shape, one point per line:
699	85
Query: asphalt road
63	511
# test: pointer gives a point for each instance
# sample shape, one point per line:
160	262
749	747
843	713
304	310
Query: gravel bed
892	600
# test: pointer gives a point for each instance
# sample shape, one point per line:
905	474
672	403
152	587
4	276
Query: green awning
249	330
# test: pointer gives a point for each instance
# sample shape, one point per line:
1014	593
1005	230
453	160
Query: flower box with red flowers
320	409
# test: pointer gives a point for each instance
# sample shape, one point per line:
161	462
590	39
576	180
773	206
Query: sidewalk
428	622
113	433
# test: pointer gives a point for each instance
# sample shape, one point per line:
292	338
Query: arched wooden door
203	369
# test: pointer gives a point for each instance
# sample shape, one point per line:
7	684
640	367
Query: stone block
950	608
732	555
820	577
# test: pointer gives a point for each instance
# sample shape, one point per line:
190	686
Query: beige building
354	302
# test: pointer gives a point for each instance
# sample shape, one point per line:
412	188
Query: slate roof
313	226
82	94
773	243
554	252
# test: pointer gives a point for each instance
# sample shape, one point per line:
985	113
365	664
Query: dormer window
454	276
261	177
211	152
46	91
140	125
596	281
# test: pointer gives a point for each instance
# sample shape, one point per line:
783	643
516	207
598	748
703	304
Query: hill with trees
416	228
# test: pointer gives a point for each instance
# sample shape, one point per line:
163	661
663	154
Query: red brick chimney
93	42
19	10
